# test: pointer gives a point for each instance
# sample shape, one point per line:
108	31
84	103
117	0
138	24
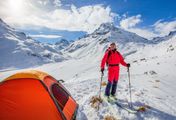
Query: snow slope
152	70
93	44
19	51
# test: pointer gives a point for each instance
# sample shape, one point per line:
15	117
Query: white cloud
46	36
130	22
57	3
159	28
163	28
41	13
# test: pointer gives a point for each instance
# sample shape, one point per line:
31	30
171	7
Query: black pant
108	88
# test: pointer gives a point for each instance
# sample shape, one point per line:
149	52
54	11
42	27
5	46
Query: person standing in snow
113	59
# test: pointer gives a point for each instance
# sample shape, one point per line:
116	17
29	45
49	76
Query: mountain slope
93	44
18	51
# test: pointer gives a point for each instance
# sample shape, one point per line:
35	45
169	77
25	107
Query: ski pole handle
102	74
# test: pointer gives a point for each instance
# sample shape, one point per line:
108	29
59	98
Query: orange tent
35	95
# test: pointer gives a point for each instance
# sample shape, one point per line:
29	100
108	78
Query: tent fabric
28	95
69	109
29	74
18	101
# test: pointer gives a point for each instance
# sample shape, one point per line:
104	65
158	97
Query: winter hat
113	43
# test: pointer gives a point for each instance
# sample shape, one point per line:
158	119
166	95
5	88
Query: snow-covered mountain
153	82
167	37
153	66
63	43
97	42
18	50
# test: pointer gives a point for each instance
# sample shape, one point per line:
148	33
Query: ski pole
100	84
100	89
129	87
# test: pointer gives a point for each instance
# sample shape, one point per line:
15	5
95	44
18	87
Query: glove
128	65
102	70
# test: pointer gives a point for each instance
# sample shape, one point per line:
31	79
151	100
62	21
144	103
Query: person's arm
122	61
103	61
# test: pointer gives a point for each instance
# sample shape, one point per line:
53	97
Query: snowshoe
108	99
113	97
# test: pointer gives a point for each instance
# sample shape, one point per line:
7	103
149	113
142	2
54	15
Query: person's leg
115	81
108	88
114	87
110	80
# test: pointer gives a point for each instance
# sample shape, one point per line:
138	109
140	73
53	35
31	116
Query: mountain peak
1	20
62	41
164	38
104	28
4	25
61	44
172	33
106	25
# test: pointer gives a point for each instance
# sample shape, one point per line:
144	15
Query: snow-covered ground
153	77
153	84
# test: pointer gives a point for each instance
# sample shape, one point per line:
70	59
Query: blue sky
51	20
151	10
